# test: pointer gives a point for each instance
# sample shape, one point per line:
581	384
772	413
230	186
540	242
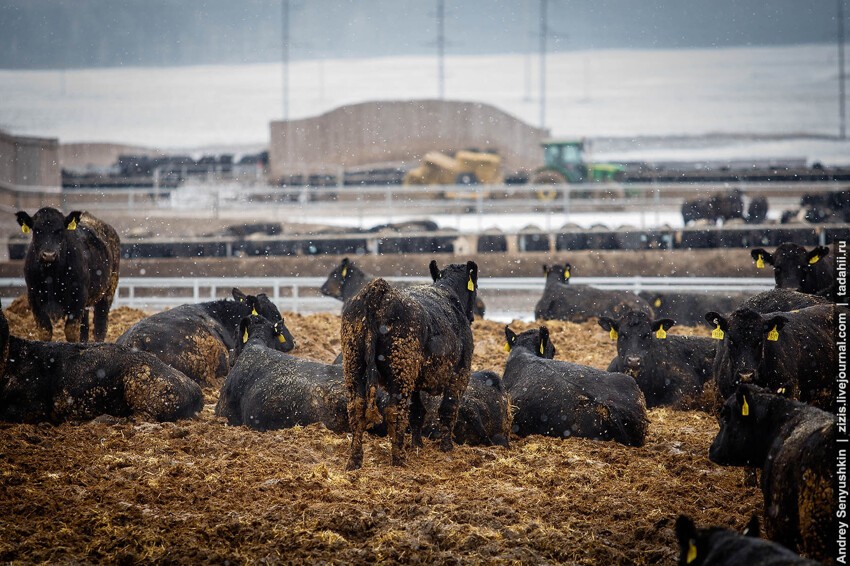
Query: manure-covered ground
124	491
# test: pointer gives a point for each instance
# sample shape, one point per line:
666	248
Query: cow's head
745	424
333	285
636	335
274	335
558	273
260	304
696	544
536	340
460	278
744	335
51	232
793	265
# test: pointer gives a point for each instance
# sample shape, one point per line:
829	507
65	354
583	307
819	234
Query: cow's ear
686	532
661	326
435	271
773	325
238	295
344	267
72	220
25	220
254	304
567	270
243	329
545	267
544	340
817	254
510	339
716	320
752	529
472	275
610	325
278	331
760	256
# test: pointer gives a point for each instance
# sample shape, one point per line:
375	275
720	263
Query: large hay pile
200	491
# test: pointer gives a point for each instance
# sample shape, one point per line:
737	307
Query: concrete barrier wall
29	161
85	156
376	132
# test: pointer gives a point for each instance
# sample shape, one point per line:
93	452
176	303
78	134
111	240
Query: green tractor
564	163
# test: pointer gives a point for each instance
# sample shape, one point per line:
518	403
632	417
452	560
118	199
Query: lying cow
346	280
792	353
668	369
794	444
794	267
64	381
717	546
407	341
781	300
71	265
687	309
197	338
563	399
578	303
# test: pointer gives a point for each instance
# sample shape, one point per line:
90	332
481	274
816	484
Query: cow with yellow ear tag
794	445
795	267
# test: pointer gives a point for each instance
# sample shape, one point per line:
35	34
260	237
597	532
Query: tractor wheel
548	178
466	179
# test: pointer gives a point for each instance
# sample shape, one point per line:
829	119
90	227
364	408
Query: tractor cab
566	157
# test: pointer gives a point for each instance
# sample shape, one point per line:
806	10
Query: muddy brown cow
268	389
63	381
197	338
71	265
346	280
794	445
794	267
562	399
793	353
407	341
668	369
578	303
716	546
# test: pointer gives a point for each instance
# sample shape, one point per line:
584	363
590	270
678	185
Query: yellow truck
466	167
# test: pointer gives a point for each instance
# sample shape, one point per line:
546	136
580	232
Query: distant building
399	131
29	162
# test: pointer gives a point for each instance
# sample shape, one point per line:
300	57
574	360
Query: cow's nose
746	376
633	361
48	257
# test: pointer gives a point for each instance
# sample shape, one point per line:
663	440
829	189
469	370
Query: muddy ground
198	491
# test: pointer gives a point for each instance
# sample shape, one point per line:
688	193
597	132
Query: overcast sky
96	33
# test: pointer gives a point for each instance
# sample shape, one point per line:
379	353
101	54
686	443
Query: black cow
346	280
688	309
719	206
794	267
71	266
484	417
197	338
782	300
578	303
794	444
757	210
717	546
669	369
407	341
59	381
793	352
563	399
268	389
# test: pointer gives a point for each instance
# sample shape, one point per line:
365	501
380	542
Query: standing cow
670	370
794	444
408	341
577	303
71	265
793	353
794	267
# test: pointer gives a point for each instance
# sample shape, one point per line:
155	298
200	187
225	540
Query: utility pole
544	31
842	114
285	55
441	48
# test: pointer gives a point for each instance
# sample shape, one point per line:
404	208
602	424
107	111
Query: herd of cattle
406	362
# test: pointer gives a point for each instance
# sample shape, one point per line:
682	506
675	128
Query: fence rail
301	294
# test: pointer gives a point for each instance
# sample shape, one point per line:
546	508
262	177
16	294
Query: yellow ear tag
470	286
692	552
773	335
657	303
745	408
344	271
25	229
760	262
613	334
254	312
541	348
814	260
245	336
566	274
506	347
660	334
717	333
73	225
281	338
780	391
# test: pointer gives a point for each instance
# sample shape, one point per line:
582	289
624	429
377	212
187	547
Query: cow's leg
101	318
417	419
43	325
397	417
357	423
449	407
84	326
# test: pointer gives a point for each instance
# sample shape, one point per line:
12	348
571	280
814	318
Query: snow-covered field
776	102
